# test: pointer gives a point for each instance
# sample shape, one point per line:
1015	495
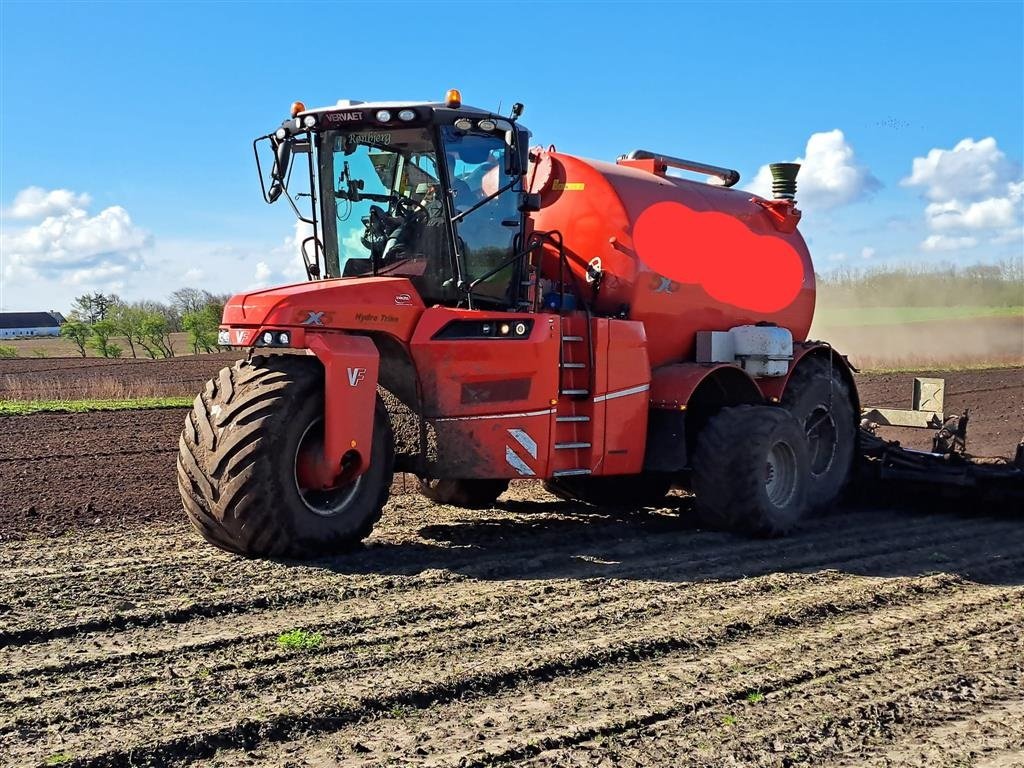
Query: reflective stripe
516	463
496	416
622	393
524	440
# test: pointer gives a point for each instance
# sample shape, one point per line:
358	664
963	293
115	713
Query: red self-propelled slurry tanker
479	311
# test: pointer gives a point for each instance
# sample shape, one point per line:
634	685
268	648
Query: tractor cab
427	191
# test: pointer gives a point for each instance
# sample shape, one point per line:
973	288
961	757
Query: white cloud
973	195
991	213
263	273
971	170
36	202
947	243
69	244
867	252
1008	236
830	175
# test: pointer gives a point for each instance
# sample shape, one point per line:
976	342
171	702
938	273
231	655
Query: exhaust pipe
784	180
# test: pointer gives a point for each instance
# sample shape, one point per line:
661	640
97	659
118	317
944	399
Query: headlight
463	124
281	134
486	125
268	338
224	338
309	121
383	116
406	115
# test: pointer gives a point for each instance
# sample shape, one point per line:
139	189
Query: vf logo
355	375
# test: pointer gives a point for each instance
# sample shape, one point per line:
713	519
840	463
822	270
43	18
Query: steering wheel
407	207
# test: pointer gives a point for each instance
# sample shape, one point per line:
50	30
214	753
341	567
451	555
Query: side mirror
282	160
517	158
511	155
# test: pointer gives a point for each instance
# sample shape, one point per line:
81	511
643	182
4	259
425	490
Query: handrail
727	175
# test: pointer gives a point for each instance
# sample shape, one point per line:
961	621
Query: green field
25	407
834	317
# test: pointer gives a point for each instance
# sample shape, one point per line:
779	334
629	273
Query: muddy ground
534	633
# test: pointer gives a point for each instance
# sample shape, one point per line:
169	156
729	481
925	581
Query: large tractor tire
617	491
240	459
819	398
750	471
472	494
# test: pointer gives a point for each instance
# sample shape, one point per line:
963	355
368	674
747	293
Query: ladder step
570	472
570	446
572	338
574	365
575	392
572	418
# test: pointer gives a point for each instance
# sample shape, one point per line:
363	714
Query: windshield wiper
485	201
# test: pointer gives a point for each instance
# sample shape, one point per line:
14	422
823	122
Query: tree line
96	319
988	285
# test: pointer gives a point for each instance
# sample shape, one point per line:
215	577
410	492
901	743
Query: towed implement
478	310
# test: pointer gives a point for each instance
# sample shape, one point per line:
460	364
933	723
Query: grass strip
939	367
832	317
26	407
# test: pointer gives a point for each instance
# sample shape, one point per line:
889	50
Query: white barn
14	325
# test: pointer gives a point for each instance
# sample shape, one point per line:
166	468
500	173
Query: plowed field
535	633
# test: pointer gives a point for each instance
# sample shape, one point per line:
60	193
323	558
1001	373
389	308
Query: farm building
18	324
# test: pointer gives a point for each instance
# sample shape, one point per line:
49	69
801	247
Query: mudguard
351	367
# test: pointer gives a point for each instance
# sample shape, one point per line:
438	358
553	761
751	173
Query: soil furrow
489	677
808	552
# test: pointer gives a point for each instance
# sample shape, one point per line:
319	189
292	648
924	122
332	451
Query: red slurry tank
679	255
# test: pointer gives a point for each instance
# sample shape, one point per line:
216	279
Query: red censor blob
761	273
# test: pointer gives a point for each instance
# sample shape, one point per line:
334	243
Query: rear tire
612	491
828	418
750	471
237	464
472	494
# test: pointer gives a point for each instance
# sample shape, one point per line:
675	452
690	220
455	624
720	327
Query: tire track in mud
810	593
852	709
613	654
655	563
660	556
365	625
568	712
440	594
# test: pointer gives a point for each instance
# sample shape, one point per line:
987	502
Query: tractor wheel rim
324	503
781	474
822	439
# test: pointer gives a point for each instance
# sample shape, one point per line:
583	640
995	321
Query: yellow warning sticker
568	186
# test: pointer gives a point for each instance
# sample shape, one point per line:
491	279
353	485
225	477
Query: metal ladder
573	414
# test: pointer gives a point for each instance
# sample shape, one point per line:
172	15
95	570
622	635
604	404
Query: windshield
385	213
384	208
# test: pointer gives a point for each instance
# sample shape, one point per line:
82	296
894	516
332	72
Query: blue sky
126	128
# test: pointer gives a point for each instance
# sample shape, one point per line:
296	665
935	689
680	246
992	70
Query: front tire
239	457
750	471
